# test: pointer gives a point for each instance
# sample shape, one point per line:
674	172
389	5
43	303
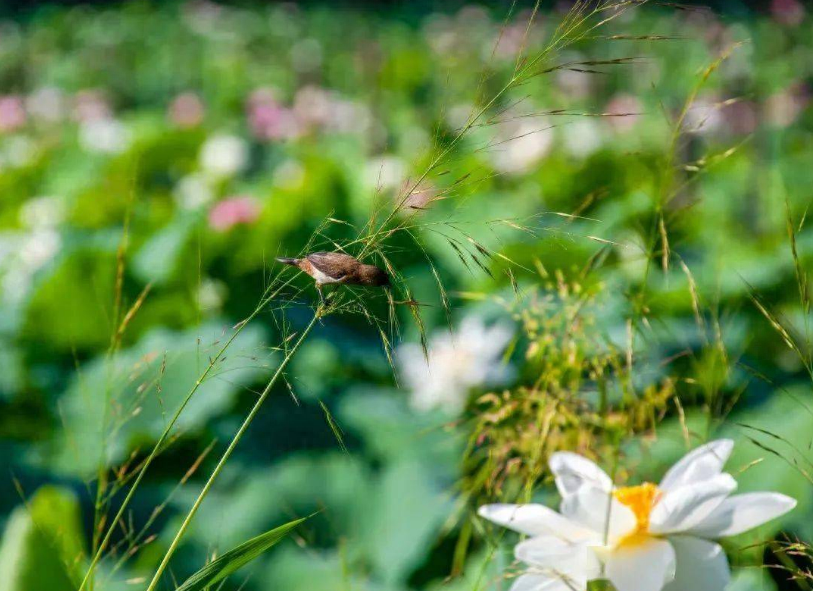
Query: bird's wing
333	264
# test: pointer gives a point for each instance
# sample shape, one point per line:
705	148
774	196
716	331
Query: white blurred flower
312	105
641	538
458	362
290	174
348	116
211	294
521	142
18	151
633	254
574	85
42	212
21	256
39	247
704	117
385	172
46	104
582	137
623	111
223	155
459	115
783	108
306	55
193	192
105	135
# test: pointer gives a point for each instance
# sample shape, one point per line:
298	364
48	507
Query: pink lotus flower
741	118
623	111
91	105
233	211
186	110
783	108
268	119
788	12
12	113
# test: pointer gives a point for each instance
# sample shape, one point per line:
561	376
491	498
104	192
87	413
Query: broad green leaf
144	385
159	258
338	482
310	569
751	579
235	559
42	543
405	514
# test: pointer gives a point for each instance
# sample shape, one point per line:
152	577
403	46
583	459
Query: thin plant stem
102	546
229	450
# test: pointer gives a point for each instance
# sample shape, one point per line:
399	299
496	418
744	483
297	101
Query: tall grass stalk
269	295
230	449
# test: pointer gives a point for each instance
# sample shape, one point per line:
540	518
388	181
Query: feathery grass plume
576	391
575	395
795	557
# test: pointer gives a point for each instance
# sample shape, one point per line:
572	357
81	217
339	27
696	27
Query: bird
337	267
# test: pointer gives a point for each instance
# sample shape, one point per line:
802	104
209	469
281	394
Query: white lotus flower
458	362
106	135
223	155
640	538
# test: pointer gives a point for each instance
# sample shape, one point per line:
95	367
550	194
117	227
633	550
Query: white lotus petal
537	582
573	471
535	520
575	561
705	462
740	513
683	508
593	507
701	565
645	566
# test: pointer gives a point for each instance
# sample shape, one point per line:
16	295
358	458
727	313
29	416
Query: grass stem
229	450
102	546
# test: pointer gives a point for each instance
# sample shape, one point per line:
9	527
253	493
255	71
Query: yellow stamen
640	499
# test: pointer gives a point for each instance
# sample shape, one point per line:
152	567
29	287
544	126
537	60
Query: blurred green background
190	143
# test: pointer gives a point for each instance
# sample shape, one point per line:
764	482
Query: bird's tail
287	261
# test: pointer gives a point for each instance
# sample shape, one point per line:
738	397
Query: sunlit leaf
235	559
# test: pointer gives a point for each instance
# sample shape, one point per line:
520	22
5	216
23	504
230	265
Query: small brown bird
337	267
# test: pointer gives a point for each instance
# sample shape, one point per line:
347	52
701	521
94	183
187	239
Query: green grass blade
236	558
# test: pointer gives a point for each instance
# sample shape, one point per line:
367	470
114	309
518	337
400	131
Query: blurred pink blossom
91	105
186	110
741	118
783	108
316	108
523	138
268	119
623	111
232	211
574	85
788	12
513	39
312	106
12	113
704	116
